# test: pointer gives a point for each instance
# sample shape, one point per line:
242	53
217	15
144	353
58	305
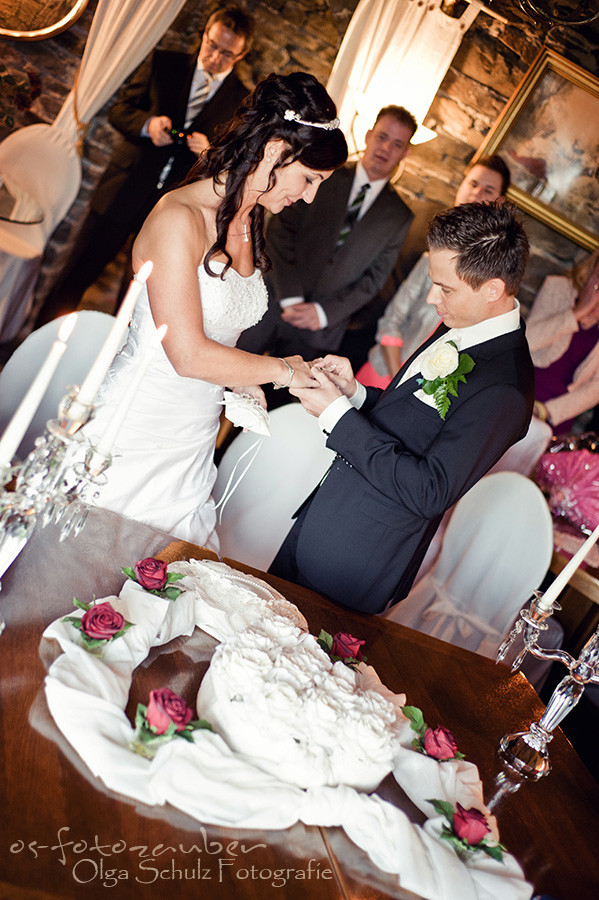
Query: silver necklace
245	233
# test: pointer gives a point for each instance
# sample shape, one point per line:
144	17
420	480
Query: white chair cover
42	160
525	454
496	550
289	464
88	336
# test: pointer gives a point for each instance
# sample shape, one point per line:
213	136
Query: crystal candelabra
526	752
53	483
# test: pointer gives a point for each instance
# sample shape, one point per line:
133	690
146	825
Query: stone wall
306	34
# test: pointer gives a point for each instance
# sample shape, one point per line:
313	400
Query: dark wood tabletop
64	835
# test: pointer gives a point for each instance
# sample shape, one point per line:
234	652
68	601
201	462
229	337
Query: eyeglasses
214	48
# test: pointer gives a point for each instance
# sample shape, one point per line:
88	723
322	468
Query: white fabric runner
87	695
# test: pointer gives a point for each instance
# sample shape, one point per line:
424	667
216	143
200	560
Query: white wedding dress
163	471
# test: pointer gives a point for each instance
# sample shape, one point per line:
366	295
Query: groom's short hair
488	239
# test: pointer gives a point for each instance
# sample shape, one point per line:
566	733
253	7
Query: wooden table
63	835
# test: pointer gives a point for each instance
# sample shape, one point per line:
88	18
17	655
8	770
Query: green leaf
140	715
74	620
429	387
416	718
443	808
90	642
325	640
465	365
173	576
169	593
130	573
200	724
442	400
84	606
495	851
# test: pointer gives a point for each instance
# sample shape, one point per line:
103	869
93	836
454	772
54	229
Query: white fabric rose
440	361
245	412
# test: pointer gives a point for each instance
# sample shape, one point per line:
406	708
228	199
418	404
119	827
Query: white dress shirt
463	338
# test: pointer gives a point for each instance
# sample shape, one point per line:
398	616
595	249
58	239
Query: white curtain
43	159
394	51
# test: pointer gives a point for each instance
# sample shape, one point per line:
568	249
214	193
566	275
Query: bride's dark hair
235	154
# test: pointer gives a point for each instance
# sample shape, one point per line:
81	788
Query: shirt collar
485	330
361	178
213	79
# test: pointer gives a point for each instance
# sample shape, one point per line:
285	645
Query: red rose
346	645
165	707
440	743
470	824
101	622
151	573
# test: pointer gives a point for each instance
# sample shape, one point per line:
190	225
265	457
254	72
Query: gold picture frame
34	21
548	134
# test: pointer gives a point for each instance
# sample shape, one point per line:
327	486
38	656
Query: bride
206	242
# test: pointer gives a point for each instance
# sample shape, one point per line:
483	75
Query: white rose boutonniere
443	367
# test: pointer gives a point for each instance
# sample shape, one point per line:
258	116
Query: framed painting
548	134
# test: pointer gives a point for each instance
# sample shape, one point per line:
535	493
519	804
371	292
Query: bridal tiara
292	116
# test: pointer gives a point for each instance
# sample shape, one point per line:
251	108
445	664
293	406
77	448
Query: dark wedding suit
301	244
128	190
362	534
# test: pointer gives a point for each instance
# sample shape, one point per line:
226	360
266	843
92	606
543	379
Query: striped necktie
198	98
353	211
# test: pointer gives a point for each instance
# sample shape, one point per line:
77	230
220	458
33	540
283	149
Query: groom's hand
339	370
316	399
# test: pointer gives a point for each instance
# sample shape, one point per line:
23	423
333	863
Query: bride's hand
254	390
302	374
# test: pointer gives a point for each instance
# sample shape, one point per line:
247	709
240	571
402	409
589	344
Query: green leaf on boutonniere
440	389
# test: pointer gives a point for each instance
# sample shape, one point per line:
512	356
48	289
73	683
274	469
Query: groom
402	461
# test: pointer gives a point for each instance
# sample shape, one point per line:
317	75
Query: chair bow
445	607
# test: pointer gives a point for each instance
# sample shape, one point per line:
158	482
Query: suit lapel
486	350
343	185
395	390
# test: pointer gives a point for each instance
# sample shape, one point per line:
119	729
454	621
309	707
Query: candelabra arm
552	655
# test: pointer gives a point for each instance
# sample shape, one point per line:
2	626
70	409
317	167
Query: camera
179	137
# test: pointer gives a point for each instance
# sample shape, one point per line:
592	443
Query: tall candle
107	439
95	376
18	425
560	582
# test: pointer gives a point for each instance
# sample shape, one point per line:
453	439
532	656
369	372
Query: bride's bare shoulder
185	216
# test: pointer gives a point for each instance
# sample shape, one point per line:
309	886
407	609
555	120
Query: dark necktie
353	211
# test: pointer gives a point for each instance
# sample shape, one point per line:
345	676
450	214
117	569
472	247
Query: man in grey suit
331	257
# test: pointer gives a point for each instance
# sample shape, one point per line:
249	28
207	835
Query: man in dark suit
167	115
329	258
403	457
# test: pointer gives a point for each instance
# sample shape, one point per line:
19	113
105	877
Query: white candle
18	425
102	363
560	582
112	429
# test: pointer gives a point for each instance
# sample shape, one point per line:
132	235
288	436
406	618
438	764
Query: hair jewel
292	116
